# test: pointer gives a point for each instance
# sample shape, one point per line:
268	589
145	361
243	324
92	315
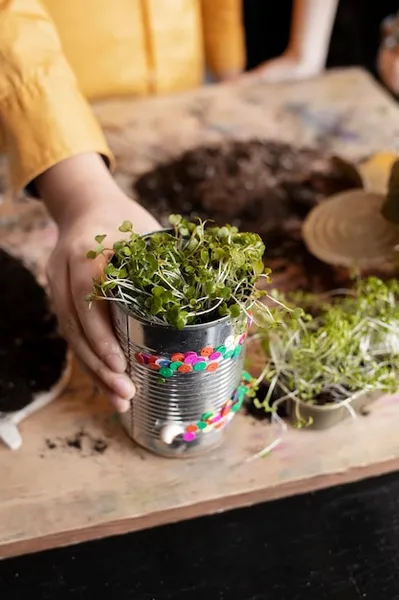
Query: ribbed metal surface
183	398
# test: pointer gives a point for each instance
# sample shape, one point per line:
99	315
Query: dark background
355	39
339	544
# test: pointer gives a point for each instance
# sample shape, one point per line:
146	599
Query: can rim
144	320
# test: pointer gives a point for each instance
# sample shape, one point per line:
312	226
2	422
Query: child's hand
85	202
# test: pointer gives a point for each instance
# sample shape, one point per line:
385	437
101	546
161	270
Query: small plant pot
188	382
10	435
329	415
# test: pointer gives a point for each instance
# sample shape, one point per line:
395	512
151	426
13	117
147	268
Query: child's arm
43	117
52	140
306	54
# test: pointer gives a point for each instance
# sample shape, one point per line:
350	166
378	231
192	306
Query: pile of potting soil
265	187
32	354
255	185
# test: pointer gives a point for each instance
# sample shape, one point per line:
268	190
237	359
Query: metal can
188	382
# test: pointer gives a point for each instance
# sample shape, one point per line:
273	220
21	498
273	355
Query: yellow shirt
124	47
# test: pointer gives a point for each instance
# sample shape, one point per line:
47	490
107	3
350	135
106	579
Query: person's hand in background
388	56
311	27
388	68
85	201
287	67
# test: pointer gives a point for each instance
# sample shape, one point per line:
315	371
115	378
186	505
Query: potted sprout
337	357
181	305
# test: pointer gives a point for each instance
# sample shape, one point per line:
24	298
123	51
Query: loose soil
255	185
81	441
259	413
32	354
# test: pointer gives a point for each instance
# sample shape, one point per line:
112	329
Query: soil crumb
76	441
81	441
100	446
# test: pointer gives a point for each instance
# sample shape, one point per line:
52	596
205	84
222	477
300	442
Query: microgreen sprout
345	342
193	273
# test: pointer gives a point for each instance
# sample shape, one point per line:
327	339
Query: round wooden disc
348	230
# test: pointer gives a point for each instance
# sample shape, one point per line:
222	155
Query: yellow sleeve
224	35
44	118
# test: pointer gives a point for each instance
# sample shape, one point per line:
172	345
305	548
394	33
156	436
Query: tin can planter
189	382
180	302
325	416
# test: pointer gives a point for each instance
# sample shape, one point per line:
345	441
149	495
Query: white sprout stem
179	294
124	283
204	312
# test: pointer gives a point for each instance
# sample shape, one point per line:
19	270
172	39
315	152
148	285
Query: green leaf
175	219
156	306
189	292
238	258
180	323
100	238
258	267
126	227
218	254
94	253
158	291
224	293
235	311
210	287
223	233
111	270
192	244
152	263
119	245
223	310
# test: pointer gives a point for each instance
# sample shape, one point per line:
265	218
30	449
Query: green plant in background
189	275
345	342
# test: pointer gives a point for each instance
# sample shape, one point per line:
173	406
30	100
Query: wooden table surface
77	476
54	492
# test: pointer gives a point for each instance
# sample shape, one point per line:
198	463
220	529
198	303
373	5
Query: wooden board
324	113
52	496
53	493
344	112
